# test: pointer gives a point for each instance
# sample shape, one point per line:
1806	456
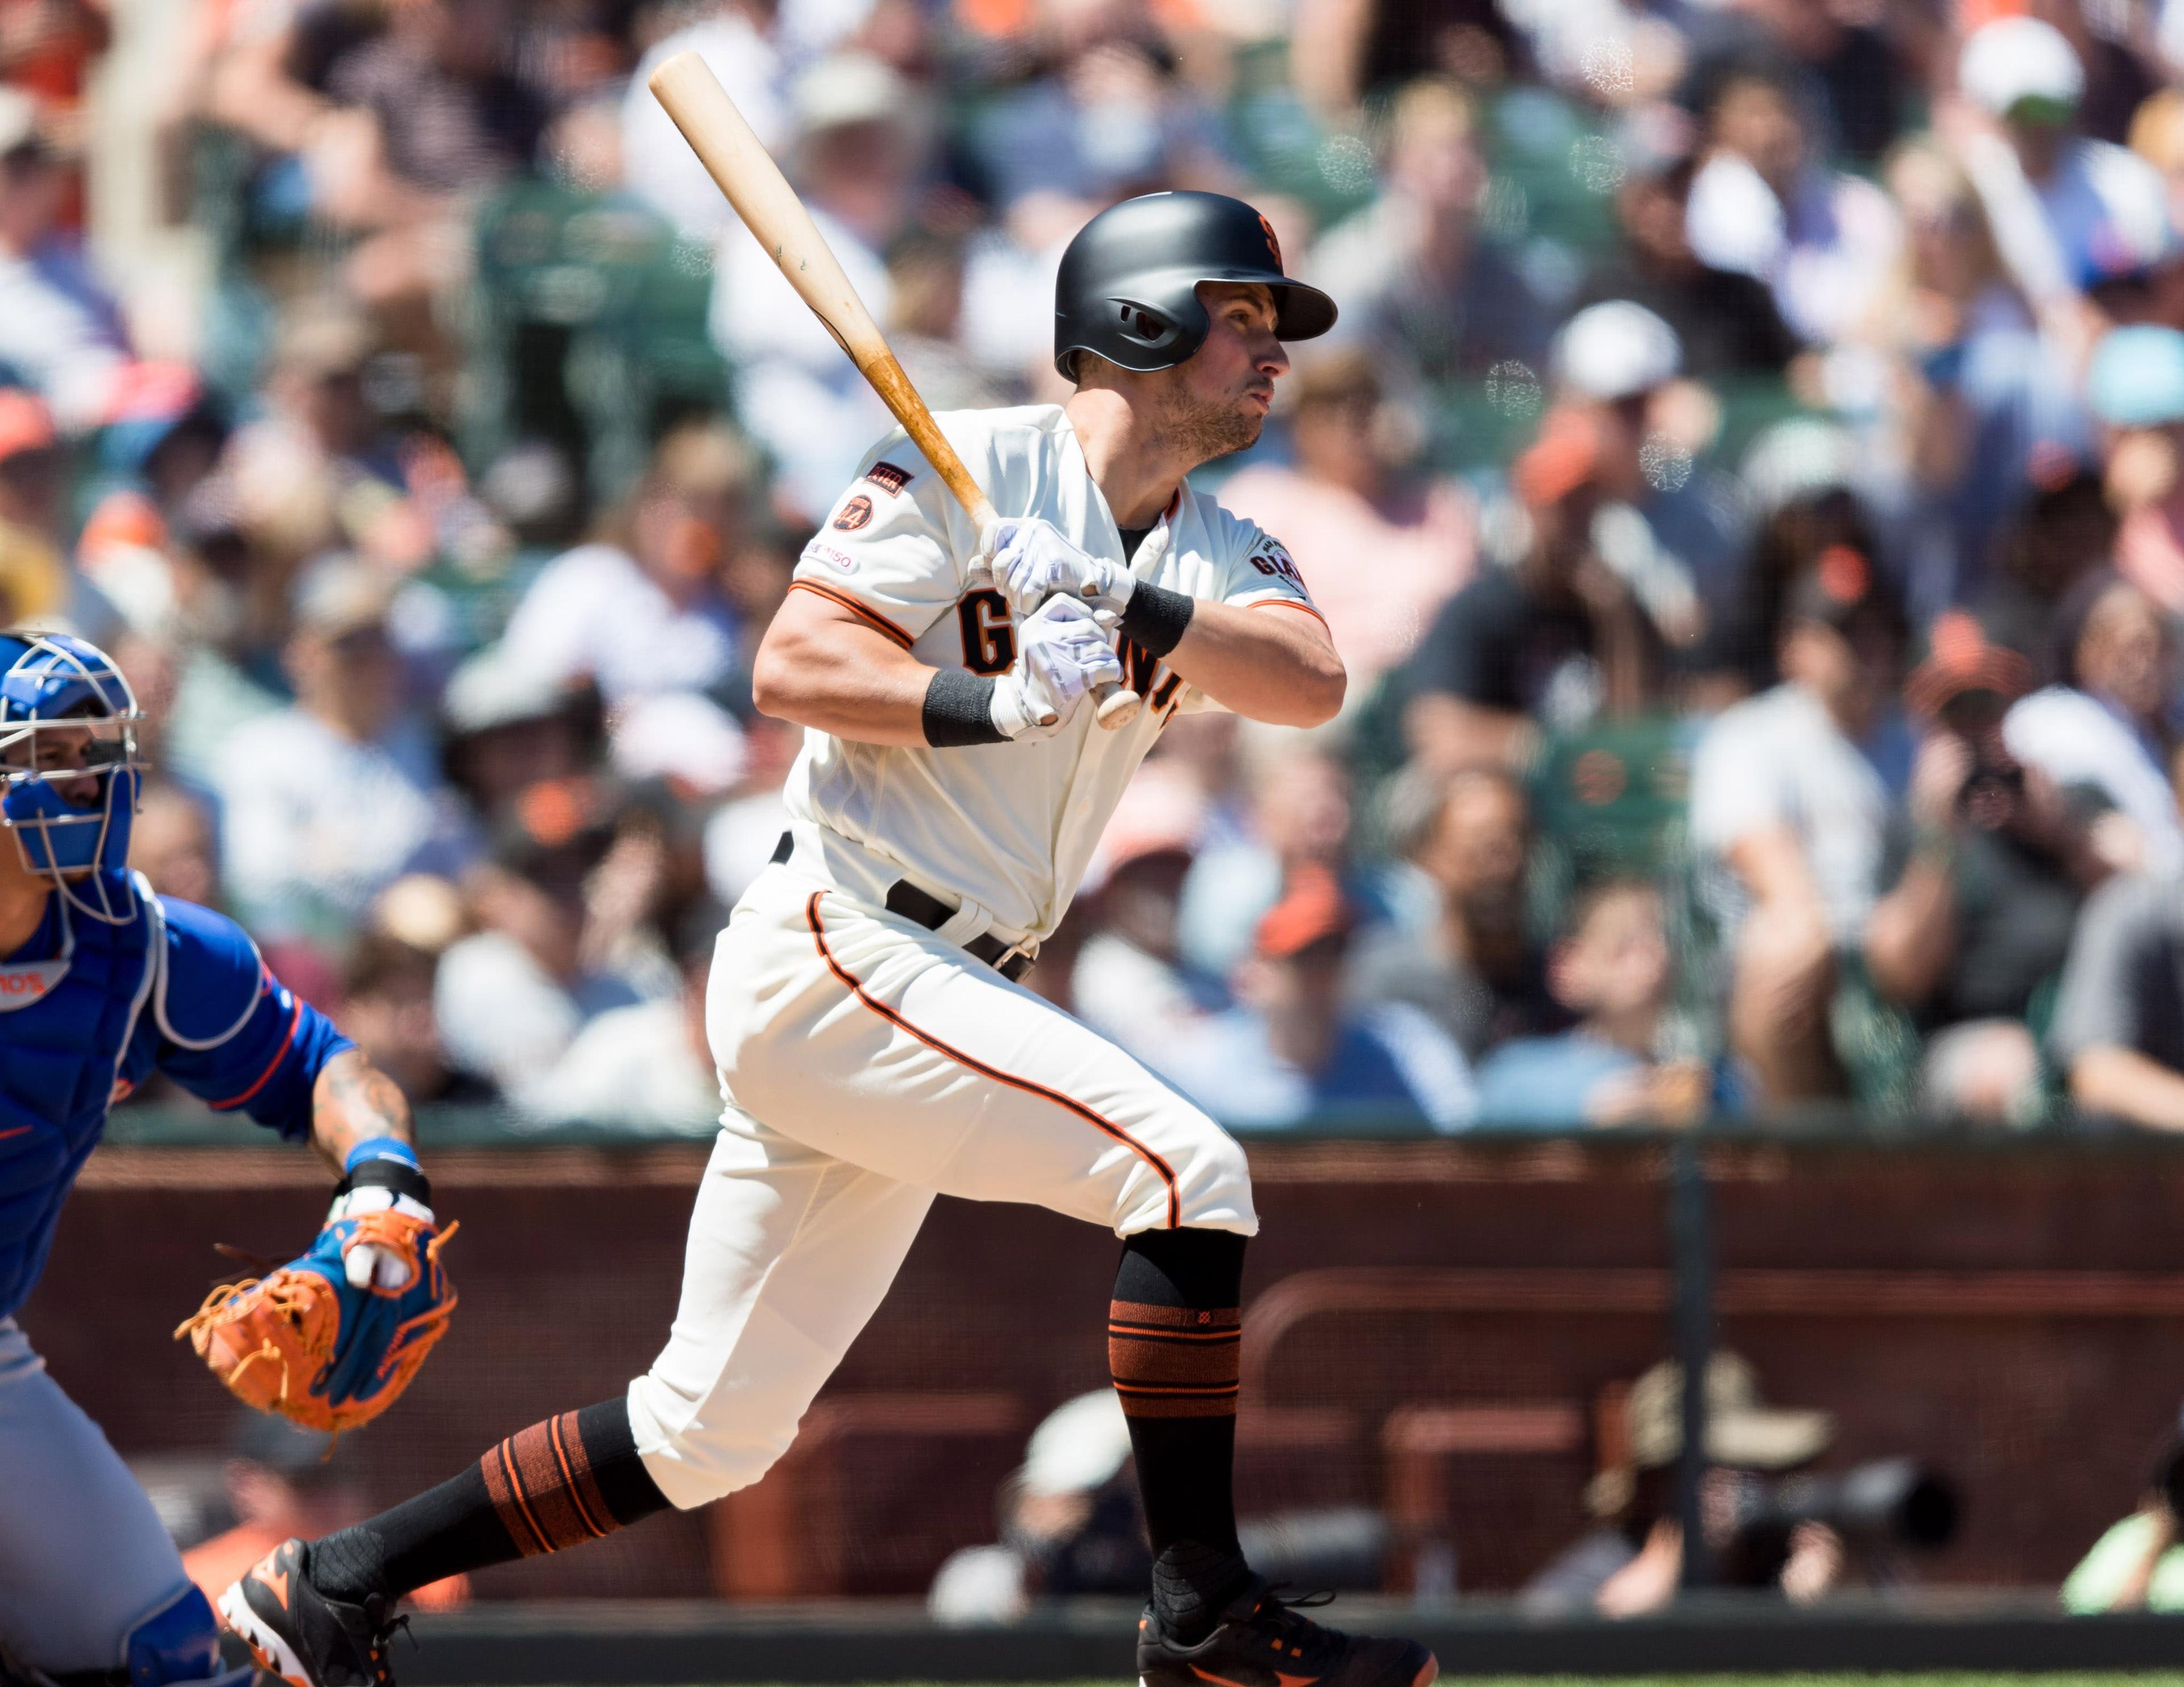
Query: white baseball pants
83	1556
869	1065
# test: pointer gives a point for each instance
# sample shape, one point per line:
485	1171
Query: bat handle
1117	705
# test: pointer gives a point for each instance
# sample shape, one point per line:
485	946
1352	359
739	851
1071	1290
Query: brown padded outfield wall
1430	1325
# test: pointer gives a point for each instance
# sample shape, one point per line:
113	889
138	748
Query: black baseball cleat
297	1633
1260	1641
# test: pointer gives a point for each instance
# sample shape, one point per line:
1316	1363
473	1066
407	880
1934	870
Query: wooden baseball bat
692	95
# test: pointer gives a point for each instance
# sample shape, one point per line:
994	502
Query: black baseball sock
1174	1334
570	1479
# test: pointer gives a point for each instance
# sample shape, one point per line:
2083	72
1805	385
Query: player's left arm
1256	646
1266	661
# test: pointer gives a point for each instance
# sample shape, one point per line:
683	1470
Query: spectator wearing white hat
859	151
1623	364
507	724
2071	214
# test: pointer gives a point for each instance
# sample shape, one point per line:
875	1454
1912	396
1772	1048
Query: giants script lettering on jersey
989	647
990	637
1149	676
1271	559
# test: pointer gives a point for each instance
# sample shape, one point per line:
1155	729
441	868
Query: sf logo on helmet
1273	246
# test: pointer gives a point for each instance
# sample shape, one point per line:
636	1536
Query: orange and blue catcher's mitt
330	1340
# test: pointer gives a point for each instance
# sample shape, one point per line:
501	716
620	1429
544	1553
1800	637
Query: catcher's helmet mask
54	683
1127	288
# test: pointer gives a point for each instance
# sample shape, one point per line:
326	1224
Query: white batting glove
1033	562
1062	654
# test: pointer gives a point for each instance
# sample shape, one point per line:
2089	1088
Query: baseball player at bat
102	984
874	1044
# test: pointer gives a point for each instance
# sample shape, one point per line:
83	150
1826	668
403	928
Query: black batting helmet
1127	288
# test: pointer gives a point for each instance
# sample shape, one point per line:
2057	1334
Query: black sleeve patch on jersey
888	478
855	514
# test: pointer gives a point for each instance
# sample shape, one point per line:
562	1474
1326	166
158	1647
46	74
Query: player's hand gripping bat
724	143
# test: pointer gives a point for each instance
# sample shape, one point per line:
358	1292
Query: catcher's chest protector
60	1053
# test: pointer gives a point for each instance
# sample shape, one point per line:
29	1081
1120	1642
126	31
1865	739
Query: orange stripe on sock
1175	1361
560	1432
1136	1403
542	1481
508	1501
1159	1165
1142	1365
1225	1320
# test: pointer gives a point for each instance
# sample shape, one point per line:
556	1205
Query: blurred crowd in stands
1747	484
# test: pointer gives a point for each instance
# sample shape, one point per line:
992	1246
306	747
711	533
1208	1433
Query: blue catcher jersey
89	1010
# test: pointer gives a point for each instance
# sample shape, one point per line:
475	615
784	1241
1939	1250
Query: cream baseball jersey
1011	826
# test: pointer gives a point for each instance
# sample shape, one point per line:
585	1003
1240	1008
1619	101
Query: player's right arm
821	666
826	669
889	563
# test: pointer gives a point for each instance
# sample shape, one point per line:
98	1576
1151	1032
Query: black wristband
959	709
1155	618
387	1174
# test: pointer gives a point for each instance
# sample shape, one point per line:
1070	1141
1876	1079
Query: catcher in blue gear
103	982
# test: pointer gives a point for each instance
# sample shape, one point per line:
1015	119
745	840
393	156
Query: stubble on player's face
1216	402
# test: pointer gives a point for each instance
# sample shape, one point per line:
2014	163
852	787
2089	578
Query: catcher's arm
330	1339
353	1103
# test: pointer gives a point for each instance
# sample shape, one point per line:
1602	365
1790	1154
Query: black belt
929	912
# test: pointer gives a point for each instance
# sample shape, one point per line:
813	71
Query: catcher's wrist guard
402	1177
